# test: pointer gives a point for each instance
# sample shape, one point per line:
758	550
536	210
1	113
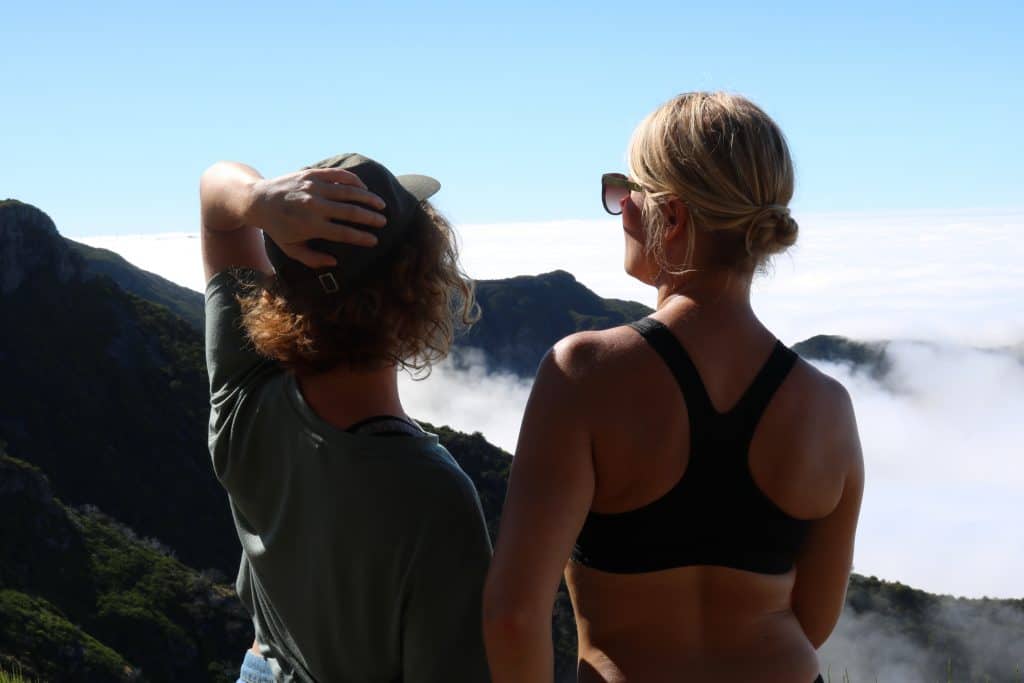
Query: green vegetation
82	596
107	393
937	636
14	677
36	635
180	301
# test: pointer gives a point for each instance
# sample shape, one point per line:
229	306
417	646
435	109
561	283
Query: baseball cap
402	196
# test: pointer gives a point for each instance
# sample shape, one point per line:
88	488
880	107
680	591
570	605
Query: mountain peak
29	243
558	276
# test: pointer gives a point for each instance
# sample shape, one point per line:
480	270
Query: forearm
226	195
519	650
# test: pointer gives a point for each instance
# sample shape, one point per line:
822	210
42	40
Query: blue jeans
255	670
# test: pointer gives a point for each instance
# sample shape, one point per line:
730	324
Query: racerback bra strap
661	339
773	373
736	525
755	399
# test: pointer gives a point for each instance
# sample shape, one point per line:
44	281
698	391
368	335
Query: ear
678	216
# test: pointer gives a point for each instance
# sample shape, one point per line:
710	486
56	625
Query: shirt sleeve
234	367
442	637
231	359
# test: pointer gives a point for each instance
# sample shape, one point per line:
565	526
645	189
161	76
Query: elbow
818	637
818	616
210	172
506	624
817	628
508	621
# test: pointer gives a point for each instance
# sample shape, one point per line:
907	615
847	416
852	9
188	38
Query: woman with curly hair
697	482
364	547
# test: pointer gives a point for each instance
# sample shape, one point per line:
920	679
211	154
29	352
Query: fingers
348	193
348	213
335	175
328	230
324	229
309	256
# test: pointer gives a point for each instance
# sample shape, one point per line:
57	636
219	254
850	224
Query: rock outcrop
29	242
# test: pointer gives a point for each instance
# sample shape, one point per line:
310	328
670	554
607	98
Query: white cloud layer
943	441
907	275
912	275
470	400
942	437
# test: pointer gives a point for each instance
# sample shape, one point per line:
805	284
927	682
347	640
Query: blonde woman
698	483
364	547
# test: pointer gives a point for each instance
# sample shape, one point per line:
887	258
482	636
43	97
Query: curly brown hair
406	313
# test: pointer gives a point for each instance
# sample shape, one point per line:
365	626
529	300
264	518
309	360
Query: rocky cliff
107	393
30	244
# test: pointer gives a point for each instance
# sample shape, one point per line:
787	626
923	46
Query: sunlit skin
605	429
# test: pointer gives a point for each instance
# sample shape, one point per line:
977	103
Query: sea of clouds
942	432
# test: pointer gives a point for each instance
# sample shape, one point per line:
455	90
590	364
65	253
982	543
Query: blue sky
110	111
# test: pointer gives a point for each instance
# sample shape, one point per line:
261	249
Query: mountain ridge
181	301
105	354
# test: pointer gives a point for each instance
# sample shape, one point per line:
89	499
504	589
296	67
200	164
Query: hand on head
311	204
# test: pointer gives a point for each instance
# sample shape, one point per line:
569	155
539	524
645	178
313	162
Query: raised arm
551	488
236	202
826	558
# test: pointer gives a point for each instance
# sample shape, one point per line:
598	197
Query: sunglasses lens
613	196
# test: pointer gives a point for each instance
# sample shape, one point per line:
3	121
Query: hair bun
771	229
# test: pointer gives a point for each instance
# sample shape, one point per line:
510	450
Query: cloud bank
942	433
912	275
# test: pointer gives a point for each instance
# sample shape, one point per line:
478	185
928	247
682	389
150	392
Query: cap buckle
329	283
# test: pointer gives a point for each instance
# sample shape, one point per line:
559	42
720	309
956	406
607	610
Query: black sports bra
716	514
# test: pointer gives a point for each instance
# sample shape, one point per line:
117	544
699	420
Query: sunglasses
614	188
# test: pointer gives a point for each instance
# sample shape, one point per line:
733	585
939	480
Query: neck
343	396
716	292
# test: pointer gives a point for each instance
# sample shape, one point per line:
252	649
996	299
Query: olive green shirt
363	557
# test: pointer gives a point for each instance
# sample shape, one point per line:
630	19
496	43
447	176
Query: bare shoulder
587	357
581	371
826	392
829	409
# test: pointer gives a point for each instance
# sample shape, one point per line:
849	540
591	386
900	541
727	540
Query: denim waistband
255	669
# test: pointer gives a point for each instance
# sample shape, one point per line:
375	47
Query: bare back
711	623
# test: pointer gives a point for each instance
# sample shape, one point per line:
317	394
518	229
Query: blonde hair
405	314
728	162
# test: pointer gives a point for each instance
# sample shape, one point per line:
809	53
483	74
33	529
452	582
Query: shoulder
824	386
442	482
581	372
584	356
827	395
448	510
829	409
232	280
